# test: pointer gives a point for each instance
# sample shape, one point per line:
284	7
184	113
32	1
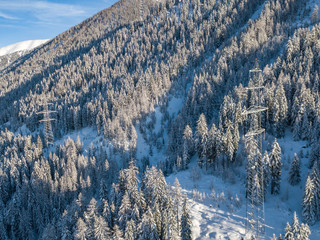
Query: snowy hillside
98	123
21	46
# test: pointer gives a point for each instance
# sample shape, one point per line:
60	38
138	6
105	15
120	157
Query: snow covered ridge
21	46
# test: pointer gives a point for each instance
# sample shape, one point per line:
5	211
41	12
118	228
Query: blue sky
22	20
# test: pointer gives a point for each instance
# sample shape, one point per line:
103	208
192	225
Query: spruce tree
188	146
201	136
294	172
266	172
308	204
304	232
316	183
101	230
288	232
275	167
185	221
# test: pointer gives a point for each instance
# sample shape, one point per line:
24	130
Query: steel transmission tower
255	221
48	134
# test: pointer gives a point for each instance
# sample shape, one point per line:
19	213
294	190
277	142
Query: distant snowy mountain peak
21	46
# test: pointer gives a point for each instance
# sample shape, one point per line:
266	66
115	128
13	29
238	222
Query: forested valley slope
146	89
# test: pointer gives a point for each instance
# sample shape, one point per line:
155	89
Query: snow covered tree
295	226
101	230
288	232
266	172
316	183
188	146
81	230
185	221
280	109
229	148
177	196
130	232
295	172
295	231
201	136
253	162
213	146
308	204
147	227
275	167
315	14
304	232
117	234
124	211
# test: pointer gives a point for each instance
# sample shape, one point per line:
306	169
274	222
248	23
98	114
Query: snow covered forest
146	102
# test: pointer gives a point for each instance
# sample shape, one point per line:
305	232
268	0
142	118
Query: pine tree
315	14
288	233
266	172
188	146
177	200
201	136
229	143
117	233
124	211
147	227
101	230
185	221
308	205
213	145
280	110
304	232
130	232
295	226
253	159
81	230
316	183
275	167
295	173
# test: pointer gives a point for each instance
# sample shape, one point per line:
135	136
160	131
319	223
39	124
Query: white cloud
42	10
6	16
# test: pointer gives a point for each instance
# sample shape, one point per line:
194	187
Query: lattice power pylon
255	221
48	134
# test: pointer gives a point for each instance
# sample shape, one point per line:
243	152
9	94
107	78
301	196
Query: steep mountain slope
145	81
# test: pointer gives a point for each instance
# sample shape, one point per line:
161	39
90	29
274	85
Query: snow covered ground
21	46
218	204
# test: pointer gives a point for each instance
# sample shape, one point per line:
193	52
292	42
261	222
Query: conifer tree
304	232
185	221
188	146
280	110
147	227
101	230
177	196
81	230
308	204
316	183
252	162
295	226
130	232
288	232
275	167
294	172
117	234
201	136
266	172
213	145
